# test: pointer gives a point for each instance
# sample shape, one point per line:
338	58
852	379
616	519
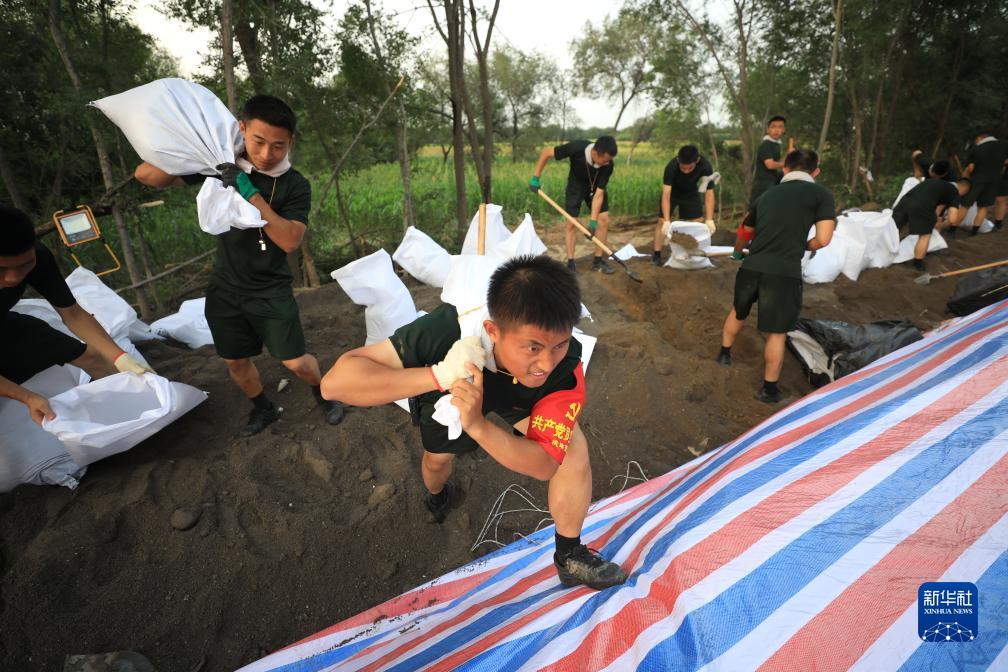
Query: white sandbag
111	310
468	280
183	128
908	184
827	263
187	326
679	256
371	282
906	247
852	232
967	221
140	332
113	414
423	258
881	237
523	241
28	453
627	252
496	233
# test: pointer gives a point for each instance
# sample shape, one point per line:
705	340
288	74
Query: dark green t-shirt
684	185
241	265
45	279
783	217
587	177
922	199
764	177
426	340
988	160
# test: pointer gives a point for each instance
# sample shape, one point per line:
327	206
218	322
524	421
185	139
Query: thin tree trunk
834	51
482	57
147	268
103	159
358	253
11	184
856	155
227	42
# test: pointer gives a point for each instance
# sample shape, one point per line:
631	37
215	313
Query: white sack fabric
111	415
423	258
496	233
28	453
880	234
967	221
627	252
679	256
371	282
111	310
523	241
906	247
827	263
467	281
183	128
187	326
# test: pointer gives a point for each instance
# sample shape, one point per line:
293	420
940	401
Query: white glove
710	226
452	367
126	364
707	180
665	228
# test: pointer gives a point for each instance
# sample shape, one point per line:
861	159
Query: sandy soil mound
293	530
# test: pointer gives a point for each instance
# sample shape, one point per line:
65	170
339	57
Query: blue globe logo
948	632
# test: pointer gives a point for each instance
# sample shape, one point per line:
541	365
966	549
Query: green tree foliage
523	83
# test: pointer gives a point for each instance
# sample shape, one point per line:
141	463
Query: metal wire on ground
496	515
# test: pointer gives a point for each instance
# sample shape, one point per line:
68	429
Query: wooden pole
481	244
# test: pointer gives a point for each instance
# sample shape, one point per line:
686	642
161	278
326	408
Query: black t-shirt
768	149
684	185
586	177
558	402
240	264
988	159
922	199
782	218
45	279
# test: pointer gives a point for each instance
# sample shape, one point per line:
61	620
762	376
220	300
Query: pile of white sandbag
93	419
187	326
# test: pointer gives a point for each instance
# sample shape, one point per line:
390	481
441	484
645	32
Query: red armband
745	234
551	422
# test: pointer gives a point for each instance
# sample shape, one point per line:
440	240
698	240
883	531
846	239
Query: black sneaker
998	224
724	358
975	230
453	496
950	232
585	567
601	266
656	261
918	264
332	410
570	266
259	420
766	397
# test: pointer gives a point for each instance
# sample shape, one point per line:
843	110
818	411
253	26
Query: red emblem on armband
551	422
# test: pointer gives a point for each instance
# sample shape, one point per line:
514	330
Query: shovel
927	277
589	236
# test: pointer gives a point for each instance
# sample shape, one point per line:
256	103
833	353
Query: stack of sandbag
372	282
184	129
861	240
187	326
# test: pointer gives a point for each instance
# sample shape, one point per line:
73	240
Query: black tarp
849	347
978	290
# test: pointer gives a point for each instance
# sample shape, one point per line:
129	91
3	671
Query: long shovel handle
577	225
961	271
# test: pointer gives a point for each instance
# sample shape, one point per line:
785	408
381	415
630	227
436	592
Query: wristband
116	358
436	383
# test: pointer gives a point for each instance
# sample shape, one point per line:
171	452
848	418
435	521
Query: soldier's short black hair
688	154
535	290
17	233
606	144
802	159
270	110
941	168
774	118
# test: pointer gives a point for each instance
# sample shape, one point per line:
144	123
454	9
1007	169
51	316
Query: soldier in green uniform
534	381
687	186
985	165
590	169
771	274
250	301
768	158
922	208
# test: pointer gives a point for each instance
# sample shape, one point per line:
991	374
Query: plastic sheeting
183	129
371	282
844	348
978	290
799	545
111	415
187	326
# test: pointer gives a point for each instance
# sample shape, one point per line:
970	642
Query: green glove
233	176
245	187
534	183
737	256
592	225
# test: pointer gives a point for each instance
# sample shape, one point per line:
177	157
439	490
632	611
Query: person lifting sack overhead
27	344
250	300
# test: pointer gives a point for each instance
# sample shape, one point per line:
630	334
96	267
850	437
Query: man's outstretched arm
374	375
152	176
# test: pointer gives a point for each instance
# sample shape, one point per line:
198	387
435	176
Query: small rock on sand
318	463
184	517
365	476
380	494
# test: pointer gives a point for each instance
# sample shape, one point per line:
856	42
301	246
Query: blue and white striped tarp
800	545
